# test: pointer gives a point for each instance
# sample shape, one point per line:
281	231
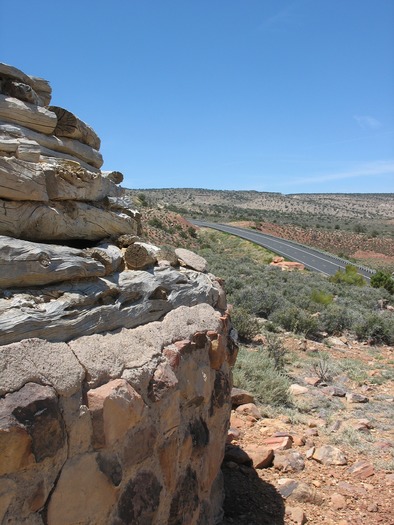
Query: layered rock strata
115	362
51	186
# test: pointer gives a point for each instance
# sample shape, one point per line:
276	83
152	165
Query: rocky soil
327	460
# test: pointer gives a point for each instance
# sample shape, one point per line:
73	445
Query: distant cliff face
115	356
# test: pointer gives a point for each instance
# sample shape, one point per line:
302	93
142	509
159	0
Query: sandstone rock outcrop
115	369
279	262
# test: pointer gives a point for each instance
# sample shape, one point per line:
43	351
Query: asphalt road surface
312	259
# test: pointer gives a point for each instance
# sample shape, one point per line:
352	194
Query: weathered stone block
35	360
36	409
115	407
185	501
138	445
15	447
163	382
217	352
139	502
168	458
83	494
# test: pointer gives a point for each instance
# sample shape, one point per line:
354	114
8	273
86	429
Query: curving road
313	259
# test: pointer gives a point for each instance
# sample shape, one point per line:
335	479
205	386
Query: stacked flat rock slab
115	355
51	186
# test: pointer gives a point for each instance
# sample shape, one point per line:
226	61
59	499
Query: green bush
320	297
383	280
255	371
349	276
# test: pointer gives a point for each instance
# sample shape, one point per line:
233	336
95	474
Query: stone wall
115	357
125	428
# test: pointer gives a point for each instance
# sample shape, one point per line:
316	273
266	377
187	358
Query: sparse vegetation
256	371
302	302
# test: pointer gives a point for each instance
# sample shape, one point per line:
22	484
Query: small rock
232	434
329	455
351	490
352	397
309	453
240	397
373	507
236	422
313	381
312	432
361	470
191	259
338	501
316	422
278	443
289	461
297	515
360	427
365	422
299	441
298	390
335	426
390	479
261	457
249	409
334	391
298	491
283	434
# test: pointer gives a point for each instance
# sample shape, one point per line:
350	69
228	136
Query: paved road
312	259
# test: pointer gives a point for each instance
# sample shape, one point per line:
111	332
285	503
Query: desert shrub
256	372
335	319
321	297
259	300
359	228
246	324
377	328
296	320
192	232
156	223
143	199
349	276
323	367
383	280
275	349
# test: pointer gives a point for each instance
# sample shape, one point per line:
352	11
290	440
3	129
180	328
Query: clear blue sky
273	95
